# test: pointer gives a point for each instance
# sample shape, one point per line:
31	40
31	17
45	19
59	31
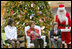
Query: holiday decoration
25	11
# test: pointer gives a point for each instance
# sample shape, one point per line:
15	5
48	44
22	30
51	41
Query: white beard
62	16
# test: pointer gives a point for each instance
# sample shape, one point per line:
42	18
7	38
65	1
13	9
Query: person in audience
11	34
34	35
55	36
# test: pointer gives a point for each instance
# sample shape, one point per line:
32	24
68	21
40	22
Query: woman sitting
11	34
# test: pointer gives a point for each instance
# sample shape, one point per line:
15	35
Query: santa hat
61	7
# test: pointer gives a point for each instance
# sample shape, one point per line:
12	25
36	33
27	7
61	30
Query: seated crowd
33	33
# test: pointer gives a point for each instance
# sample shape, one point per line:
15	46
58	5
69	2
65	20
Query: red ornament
44	18
12	11
40	20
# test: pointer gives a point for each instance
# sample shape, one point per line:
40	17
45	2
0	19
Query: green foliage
23	10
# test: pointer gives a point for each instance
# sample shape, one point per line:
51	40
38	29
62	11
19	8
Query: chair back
28	27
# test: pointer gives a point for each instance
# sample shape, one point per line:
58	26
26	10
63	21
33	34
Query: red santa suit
62	22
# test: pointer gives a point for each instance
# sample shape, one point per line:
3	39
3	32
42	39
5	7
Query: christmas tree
25	11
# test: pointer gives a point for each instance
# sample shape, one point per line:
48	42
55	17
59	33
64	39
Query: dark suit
52	34
58	33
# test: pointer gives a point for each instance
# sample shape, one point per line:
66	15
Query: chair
28	38
3	41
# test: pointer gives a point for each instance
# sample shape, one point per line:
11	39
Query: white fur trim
66	21
62	30
69	42
66	27
61	8
63	42
70	28
65	30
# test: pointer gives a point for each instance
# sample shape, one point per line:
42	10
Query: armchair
28	38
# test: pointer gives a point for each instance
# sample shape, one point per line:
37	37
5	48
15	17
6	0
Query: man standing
64	22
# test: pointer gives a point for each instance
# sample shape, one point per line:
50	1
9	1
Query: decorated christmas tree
25	11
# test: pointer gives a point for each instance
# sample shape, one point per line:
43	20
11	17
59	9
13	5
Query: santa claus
64	23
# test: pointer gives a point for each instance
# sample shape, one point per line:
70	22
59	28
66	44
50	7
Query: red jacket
32	36
63	23
66	36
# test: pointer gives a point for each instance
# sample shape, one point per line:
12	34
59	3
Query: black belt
63	25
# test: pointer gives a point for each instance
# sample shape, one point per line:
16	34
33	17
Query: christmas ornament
20	2
23	24
43	27
40	12
12	11
32	16
44	18
19	16
38	8
32	5
43	31
40	20
17	23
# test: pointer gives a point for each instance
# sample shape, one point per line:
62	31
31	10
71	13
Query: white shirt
56	30
10	32
56	33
